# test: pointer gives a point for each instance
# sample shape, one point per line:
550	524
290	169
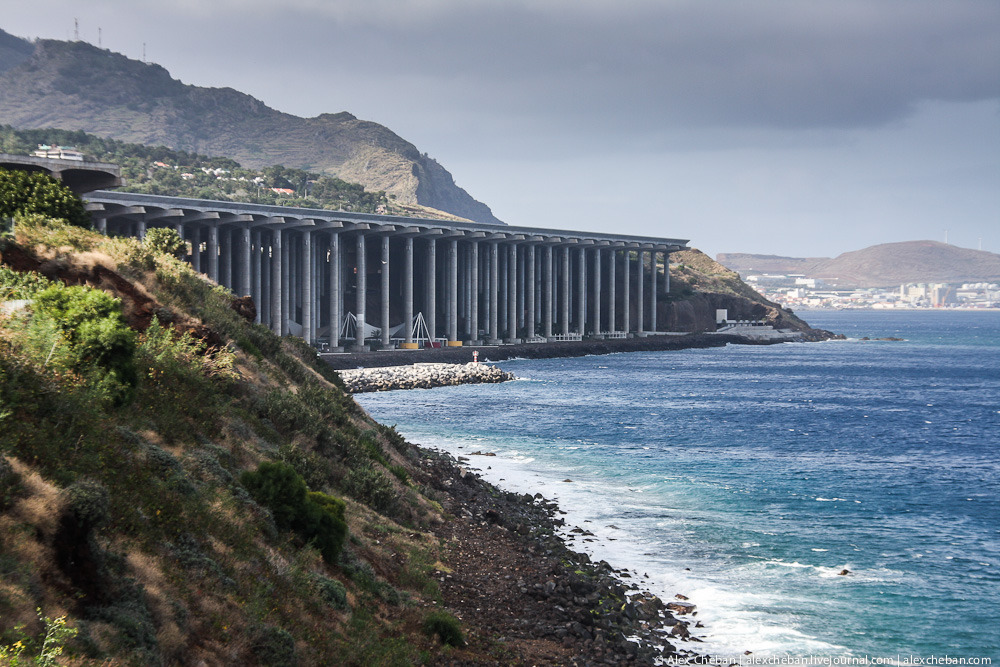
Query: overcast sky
799	127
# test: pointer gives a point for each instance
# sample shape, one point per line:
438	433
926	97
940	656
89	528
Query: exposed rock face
77	86
245	308
697	313
700	286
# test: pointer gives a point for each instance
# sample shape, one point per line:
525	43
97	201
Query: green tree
316	517
101	344
166	241
23	192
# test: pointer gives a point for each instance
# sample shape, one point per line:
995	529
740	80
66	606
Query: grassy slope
188	567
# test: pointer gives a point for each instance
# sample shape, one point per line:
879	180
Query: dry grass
41	503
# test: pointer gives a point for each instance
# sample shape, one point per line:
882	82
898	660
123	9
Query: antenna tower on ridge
76	30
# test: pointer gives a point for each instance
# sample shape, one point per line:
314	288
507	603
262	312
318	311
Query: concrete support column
361	295
520	296
264	293
334	295
385	291
547	300
140	230
102	226
277	317
178	227
512	292
494	283
244	286
196	249
305	275
453	291
431	315
256	265
666	272
408	291
581	291
474	290
317	290
596	315
226	257
626	290
290	289
287	280
640	302
529	307
564	319
652	290
484	284
503	301
611	290
213	252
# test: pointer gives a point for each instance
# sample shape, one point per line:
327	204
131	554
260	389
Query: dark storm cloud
778	64
648	69
640	74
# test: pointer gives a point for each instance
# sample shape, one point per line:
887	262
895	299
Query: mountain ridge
77	86
882	265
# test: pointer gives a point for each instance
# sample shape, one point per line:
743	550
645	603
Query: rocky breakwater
421	376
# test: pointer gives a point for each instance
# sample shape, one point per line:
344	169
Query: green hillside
131	423
160	170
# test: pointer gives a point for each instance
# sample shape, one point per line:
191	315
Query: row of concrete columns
305	280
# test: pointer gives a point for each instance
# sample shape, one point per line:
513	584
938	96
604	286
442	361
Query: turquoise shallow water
748	478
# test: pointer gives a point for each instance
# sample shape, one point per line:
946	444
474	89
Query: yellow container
454	343
409	346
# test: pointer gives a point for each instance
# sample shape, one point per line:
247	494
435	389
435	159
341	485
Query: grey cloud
640	69
781	64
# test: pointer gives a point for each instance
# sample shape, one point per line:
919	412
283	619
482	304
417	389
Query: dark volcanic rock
550	604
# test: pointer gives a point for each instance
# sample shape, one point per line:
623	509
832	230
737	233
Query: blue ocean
750	478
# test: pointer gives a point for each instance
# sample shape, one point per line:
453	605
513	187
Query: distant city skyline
801	129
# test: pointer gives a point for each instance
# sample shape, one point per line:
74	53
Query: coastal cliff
700	286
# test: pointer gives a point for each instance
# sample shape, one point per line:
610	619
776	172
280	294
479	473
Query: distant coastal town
801	292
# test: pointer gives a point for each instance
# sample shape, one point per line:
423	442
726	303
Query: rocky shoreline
543	603
421	376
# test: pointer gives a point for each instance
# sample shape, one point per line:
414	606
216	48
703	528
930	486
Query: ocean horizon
835	499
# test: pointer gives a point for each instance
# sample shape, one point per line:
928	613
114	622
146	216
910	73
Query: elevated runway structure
80	176
311	270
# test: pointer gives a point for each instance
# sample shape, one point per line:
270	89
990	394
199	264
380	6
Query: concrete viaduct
78	176
309	270
329	276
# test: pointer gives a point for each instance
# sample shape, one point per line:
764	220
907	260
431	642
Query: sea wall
421	376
